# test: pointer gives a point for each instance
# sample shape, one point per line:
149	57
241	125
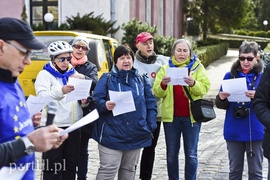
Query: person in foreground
81	64
261	107
18	139
51	82
121	137
242	130
148	62
176	116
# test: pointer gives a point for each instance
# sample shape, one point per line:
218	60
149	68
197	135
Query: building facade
167	15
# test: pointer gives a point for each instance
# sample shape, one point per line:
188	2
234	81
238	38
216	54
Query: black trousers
148	156
83	157
61	163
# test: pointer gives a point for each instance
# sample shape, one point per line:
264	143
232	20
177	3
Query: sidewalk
217	70
212	152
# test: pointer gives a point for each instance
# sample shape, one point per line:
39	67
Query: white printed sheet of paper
81	91
237	88
177	75
123	100
91	117
35	104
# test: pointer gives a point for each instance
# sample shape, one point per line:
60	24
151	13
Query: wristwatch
29	147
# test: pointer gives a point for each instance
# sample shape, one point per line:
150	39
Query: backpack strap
108	80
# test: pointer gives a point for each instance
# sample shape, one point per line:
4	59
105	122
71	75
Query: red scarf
75	62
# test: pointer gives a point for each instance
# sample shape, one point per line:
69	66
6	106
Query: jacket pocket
144	126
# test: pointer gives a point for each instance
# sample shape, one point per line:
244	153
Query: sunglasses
77	46
26	53
62	59
241	58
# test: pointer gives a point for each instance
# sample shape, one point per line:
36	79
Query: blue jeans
190	132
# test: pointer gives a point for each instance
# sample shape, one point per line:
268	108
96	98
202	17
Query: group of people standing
121	138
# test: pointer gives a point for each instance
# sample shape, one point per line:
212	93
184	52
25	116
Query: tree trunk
205	19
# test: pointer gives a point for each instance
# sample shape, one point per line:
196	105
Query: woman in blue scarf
51	83
243	131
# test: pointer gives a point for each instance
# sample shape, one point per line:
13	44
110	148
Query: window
38	8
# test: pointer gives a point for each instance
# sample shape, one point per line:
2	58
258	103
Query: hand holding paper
237	88
81	91
177	76
123	100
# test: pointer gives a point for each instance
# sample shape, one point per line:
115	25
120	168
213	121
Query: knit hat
81	39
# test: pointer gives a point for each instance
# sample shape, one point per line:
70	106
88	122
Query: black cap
20	31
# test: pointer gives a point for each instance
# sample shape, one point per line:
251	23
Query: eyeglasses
241	58
77	46
26	53
62	59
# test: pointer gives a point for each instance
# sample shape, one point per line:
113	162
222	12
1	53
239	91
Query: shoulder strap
108	80
143	77
187	92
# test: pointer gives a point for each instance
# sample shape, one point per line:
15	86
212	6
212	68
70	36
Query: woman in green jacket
176	116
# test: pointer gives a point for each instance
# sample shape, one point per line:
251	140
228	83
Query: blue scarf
55	73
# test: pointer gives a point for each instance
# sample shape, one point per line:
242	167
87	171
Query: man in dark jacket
147	62
261	107
18	139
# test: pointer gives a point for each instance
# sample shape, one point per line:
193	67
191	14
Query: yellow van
100	53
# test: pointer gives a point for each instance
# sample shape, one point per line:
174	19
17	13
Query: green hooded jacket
201	87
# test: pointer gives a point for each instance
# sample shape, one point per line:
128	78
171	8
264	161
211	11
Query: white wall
122	13
68	8
72	7
11	8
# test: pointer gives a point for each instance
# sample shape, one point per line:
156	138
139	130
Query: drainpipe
112	16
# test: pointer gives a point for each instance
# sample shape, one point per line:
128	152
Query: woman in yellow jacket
176	116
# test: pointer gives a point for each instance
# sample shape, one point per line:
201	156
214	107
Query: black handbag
202	110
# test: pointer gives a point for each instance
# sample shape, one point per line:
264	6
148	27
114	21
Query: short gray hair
249	47
185	41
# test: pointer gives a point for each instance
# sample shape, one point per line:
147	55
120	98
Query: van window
47	40
101	55
109	54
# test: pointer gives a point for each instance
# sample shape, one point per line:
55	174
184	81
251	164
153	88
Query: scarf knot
48	67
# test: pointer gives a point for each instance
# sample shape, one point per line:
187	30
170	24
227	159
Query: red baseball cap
143	36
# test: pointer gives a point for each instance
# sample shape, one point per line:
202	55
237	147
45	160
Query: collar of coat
236	67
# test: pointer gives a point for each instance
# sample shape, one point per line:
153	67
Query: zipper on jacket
101	133
137	89
119	87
